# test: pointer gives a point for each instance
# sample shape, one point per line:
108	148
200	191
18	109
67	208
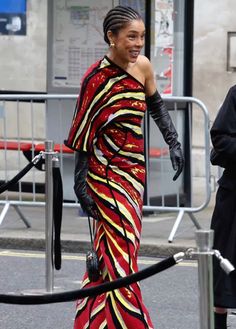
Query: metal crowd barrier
27	120
193	105
204	239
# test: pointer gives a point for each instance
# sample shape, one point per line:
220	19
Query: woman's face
128	42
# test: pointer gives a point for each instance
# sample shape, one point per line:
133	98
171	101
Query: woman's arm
147	70
160	115
80	184
223	131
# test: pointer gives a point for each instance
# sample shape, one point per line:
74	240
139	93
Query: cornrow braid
117	18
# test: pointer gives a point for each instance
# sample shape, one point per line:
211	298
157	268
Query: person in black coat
223	222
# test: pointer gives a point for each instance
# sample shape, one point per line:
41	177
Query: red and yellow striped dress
107	125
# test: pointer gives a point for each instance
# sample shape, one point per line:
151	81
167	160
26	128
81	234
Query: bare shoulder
144	63
146	68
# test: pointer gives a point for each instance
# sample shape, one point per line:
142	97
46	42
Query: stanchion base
37	292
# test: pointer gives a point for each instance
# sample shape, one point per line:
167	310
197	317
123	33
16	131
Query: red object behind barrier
57	148
154	152
14	146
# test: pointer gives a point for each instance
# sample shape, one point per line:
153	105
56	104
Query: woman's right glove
160	115
80	185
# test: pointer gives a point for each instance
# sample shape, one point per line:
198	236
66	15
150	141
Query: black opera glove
177	160
80	186
160	115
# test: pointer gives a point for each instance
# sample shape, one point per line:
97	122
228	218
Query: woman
110	170
223	136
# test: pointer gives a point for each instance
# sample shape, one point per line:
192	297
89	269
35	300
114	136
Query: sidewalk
75	232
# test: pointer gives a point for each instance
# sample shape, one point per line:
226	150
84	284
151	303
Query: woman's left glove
80	185
161	116
177	160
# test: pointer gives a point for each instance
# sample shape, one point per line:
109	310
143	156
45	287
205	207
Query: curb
72	246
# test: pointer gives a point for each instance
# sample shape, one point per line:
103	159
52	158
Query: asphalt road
171	296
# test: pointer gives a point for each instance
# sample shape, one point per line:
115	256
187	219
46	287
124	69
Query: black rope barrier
14	180
57	202
57	215
23	172
88	292
74	294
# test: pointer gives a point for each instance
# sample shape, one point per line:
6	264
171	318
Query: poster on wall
77	39
164	43
13	17
231	51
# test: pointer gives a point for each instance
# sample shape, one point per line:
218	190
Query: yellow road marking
24	254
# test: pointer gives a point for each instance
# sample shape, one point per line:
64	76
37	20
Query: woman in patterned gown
107	136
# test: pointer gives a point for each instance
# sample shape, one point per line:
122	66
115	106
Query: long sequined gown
107	125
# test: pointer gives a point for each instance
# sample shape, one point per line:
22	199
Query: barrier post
49	153
204	240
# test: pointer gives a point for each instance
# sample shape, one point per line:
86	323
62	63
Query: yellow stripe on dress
125	302
117	313
122	252
103	324
136	95
100	95
130	236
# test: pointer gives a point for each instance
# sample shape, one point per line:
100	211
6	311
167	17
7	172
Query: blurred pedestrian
223	136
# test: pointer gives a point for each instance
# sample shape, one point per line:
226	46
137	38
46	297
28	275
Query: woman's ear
110	37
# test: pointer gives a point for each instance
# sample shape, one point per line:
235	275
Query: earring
112	45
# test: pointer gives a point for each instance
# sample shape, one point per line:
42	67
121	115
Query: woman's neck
124	65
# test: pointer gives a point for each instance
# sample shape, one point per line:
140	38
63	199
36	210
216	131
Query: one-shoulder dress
107	124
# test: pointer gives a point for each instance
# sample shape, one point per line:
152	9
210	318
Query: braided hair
117	18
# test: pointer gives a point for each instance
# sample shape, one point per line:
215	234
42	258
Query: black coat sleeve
223	131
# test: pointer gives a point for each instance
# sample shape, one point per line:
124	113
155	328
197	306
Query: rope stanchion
49	155
92	291
54	205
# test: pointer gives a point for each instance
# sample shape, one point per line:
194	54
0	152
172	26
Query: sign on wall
164	44
77	39
13	17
